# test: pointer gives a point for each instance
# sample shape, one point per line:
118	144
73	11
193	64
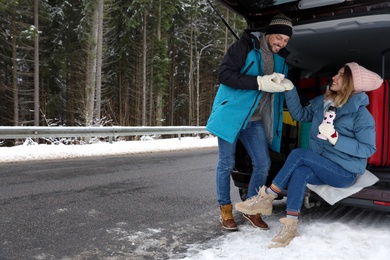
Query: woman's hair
345	92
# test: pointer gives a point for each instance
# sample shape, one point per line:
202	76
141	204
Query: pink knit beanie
364	79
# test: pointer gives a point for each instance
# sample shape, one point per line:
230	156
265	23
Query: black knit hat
280	24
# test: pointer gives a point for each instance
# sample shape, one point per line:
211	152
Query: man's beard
272	49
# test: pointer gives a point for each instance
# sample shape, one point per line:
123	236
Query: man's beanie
280	24
364	79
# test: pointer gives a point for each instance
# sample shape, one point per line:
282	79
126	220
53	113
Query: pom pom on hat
364	79
280	24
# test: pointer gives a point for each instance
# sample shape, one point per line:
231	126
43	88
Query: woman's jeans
255	141
303	166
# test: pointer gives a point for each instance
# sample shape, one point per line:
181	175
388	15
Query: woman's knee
298	152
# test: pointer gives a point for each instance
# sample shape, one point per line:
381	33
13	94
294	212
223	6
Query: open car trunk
326	35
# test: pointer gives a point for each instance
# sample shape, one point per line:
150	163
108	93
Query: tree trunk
198	53
99	61
172	86
36	64
159	99
144	49
15	75
151	93
91	70
190	75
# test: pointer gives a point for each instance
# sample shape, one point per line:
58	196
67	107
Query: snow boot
259	204
256	221
227	219
287	232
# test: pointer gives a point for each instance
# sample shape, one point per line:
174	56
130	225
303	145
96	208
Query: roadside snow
43	151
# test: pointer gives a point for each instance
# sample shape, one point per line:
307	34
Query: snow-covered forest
109	62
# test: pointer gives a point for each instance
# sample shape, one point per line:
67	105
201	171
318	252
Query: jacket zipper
248	68
246	71
257	97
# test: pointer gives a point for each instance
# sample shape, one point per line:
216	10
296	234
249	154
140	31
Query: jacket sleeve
297	111
232	64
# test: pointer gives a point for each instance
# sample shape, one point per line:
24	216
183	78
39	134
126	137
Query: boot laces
252	200
283	231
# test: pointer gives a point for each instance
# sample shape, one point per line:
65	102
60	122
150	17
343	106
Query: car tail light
382	203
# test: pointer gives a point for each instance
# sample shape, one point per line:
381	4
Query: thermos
329	116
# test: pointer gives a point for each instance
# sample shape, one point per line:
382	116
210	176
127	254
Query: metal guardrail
16	132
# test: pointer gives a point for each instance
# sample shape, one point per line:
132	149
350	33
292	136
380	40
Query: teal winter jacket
238	95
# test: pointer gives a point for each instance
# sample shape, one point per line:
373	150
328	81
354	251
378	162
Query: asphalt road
146	206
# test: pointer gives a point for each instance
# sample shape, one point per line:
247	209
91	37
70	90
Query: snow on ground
43	151
366	237
317	241
356	239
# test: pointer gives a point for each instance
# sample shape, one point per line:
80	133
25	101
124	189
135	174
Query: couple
249	106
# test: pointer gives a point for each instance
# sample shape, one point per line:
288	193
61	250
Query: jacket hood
356	101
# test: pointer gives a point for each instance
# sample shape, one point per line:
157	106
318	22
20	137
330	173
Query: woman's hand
329	132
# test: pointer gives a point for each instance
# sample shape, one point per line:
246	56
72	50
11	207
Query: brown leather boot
256	221
227	219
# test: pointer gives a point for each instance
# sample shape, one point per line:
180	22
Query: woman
335	161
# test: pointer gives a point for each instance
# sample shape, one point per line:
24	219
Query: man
247	102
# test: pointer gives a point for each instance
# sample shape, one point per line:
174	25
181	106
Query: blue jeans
255	142
303	166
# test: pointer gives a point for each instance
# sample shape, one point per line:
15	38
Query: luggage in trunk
379	107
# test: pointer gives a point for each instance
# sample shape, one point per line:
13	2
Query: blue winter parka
238	96
353	122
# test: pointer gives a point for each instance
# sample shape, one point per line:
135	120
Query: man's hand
329	132
270	83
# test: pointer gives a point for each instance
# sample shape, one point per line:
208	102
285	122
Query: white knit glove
270	83
287	84
329	132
